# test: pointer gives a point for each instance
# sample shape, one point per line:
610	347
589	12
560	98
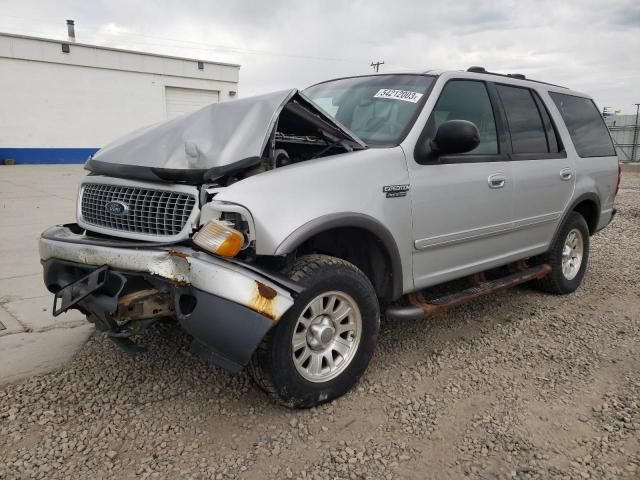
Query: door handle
497	180
566	174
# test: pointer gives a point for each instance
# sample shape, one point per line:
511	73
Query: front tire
324	342
568	257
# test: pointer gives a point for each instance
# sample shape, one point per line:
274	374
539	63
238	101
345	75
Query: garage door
184	100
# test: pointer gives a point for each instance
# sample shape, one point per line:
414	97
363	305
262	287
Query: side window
468	100
585	124
525	124
555	144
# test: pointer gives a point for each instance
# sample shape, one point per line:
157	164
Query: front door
462	204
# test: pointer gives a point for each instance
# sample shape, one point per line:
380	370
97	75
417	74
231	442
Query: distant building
626	136
60	101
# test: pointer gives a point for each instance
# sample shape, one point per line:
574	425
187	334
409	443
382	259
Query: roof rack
518	76
477	69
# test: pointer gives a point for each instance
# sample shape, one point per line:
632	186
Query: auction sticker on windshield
404	95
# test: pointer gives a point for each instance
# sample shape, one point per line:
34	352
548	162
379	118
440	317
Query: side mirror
455	136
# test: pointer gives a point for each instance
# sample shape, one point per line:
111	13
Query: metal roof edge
114	49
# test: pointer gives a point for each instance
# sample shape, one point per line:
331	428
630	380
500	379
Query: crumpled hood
202	145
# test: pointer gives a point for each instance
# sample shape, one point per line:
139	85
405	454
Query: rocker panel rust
480	287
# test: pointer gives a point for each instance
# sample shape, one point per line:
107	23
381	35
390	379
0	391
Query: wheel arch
369	228
587	205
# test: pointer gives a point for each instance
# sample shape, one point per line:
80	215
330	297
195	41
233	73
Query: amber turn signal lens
216	237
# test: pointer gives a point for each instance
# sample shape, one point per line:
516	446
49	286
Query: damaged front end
226	142
123	287
147	223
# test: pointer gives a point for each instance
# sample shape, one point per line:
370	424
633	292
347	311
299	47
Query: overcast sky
592	46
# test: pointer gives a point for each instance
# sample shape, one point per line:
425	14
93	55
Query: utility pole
635	134
376	65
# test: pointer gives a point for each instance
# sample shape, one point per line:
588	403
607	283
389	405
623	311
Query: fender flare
349	219
585	196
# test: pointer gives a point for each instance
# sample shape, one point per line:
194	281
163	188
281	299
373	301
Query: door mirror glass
456	136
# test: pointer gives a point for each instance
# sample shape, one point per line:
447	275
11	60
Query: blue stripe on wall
24	156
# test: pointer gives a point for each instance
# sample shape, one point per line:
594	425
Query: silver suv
278	229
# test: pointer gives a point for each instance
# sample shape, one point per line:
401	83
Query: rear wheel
568	257
323	344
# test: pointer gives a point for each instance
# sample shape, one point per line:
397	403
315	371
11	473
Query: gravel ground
517	385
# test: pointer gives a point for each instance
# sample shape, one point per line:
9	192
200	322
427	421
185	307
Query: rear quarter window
585	124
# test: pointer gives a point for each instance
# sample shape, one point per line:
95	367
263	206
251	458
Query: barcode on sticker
404	95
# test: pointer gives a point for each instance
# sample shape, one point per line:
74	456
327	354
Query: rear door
543	173
596	161
461	204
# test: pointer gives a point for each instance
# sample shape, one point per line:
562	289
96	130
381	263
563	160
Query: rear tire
324	342
568	257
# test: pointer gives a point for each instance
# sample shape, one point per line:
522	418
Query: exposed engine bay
299	134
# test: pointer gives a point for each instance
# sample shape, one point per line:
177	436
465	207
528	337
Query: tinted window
525	125
468	100
378	109
586	126
555	145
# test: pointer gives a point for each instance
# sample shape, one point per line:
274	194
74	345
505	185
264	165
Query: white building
60	101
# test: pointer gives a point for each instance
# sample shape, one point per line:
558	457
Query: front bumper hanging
226	306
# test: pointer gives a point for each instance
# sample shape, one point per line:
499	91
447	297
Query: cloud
588	45
113	29
627	16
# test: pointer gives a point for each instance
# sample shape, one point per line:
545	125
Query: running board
416	306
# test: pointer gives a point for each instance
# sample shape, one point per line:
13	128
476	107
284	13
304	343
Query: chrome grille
149	212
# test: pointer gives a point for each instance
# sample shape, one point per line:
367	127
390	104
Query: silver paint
450	224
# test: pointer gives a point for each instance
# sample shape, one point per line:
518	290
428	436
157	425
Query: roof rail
476	69
518	76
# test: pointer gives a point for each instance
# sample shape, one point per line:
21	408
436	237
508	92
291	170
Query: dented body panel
226	307
209	143
178	264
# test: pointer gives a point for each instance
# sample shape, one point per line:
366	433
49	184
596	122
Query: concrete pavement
33	197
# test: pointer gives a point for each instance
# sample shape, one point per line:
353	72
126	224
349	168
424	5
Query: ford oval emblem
116	207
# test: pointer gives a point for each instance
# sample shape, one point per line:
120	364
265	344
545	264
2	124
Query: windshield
378	108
